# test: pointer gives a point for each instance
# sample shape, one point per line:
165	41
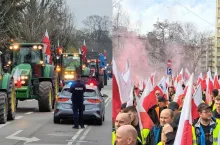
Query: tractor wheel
45	101
3	107
11	101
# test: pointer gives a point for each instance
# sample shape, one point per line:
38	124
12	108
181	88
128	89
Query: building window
218	49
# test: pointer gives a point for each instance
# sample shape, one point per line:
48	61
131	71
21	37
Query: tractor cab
28	54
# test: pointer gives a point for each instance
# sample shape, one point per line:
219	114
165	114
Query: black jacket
216	115
77	90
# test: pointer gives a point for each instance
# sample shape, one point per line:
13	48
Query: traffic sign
169	64
169	71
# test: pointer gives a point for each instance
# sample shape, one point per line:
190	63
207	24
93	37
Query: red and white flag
179	91
184	132
17	77
116	100
47	48
186	74
216	82
209	87
84	50
145	121
152	78
180	76
121	88
197	99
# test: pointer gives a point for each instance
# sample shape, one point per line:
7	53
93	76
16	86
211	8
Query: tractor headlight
69	76
58	69
24	77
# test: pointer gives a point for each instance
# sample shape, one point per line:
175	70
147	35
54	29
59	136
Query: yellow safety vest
160	143
215	135
213	108
144	134
113	137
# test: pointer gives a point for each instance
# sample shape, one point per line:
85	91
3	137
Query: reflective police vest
215	135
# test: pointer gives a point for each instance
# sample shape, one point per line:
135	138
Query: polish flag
209	87
150	100
197	99
180	76
131	98
202	81
179	91
147	89
145	121
216	82
47	48
84	50
186	74
116	100
17	78
121	89
152	78
184	132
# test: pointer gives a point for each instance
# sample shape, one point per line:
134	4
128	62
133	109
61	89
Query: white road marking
2	125
107	100
59	135
84	135
14	137
75	136
29	113
18	117
107	103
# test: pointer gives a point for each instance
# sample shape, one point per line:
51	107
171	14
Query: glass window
27	55
90	93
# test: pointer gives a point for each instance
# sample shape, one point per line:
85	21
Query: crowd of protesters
166	117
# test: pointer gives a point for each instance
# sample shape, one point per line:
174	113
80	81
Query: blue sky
148	11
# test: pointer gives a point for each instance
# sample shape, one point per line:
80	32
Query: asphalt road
35	128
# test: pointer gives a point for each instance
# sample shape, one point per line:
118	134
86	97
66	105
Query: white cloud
148	12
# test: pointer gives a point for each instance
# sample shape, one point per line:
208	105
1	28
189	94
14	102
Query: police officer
77	89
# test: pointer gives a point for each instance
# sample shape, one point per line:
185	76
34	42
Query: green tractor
68	65
35	79
7	95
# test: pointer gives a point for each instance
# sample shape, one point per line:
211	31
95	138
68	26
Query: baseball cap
173	106
161	99
203	106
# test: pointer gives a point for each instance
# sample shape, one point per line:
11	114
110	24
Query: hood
70	68
24	69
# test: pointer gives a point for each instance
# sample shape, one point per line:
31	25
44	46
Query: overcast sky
84	8
200	12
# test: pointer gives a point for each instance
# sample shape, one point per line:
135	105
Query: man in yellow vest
142	134
216	112
205	130
126	135
121	119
